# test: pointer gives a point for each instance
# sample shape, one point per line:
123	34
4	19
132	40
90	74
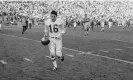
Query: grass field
99	56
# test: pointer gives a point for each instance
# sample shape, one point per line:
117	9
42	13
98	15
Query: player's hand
45	34
64	31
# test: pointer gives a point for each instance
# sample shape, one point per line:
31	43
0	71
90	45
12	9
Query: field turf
99	56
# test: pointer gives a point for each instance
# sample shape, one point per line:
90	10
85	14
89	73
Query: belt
56	38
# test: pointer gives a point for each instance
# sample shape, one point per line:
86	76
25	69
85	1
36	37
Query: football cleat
54	68
45	41
62	58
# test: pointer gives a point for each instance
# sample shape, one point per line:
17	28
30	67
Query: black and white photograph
66	39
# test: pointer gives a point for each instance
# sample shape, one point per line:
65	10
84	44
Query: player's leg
23	29
59	53
52	54
74	27
86	30
123	27
26	27
92	28
29	25
52	48
102	27
0	26
89	27
109	23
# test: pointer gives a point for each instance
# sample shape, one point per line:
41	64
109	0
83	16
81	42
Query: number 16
55	29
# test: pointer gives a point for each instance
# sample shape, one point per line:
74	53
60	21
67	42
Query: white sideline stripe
107	57
69	55
119	49
3	62
27	59
78	51
104	51
112	58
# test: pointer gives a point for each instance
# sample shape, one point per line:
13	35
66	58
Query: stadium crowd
120	12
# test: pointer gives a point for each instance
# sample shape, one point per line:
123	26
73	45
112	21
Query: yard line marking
87	52
27	59
119	49
77	50
69	55
104	51
81	53
3	62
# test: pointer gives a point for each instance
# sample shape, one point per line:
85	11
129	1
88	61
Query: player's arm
45	30
62	26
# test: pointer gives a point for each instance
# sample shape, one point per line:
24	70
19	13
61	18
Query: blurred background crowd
71	11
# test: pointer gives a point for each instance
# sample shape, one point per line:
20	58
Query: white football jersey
54	28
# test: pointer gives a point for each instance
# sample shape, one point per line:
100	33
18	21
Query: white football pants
55	47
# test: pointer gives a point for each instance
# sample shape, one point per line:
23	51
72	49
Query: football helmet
45	41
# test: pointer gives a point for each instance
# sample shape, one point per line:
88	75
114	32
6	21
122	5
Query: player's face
53	17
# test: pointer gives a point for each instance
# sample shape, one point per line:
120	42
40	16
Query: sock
54	63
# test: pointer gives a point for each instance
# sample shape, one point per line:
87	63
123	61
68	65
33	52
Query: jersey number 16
54	28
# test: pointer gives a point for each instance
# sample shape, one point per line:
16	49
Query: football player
92	23
0	23
29	23
102	24
24	24
54	28
123	24
110	23
75	25
86	27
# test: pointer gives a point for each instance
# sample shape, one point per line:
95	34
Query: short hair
54	12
